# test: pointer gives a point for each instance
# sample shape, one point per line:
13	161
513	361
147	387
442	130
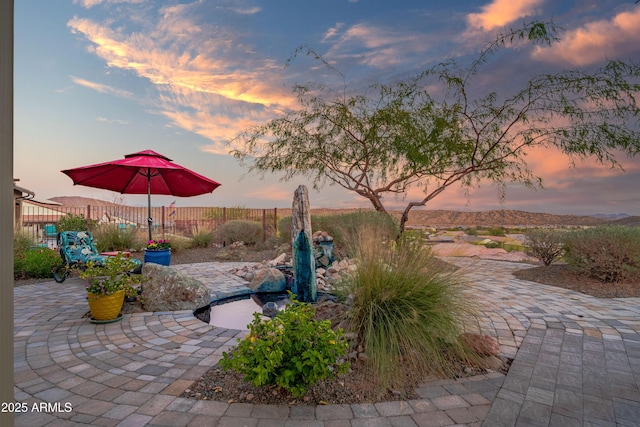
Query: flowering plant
115	275
156	245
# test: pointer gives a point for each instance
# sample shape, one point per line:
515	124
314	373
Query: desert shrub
201	238
610	253
271	243
72	222
493	245
344	227
545	244
496	231
35	263
472	231
408	311
249	232
22	241
109	237
292	350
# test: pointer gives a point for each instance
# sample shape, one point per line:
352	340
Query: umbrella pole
149	219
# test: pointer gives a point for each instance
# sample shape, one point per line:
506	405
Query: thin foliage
429	131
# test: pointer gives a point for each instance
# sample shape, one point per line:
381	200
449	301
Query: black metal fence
41	222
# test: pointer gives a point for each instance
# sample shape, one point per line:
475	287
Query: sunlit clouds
101	87
186	77
615	37
200	73
502	12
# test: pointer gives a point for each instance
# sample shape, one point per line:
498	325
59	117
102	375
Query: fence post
89	217
275	222
264	225
163	221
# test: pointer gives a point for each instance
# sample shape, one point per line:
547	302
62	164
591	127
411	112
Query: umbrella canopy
145	172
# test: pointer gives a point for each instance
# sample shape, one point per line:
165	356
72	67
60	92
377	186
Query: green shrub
545	244
406	309
109	237
35	263
292	350
496	231
609	253
22	241
271	243
201	238
493	245
249	232
72	222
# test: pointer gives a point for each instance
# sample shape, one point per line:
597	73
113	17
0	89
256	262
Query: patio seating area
577	361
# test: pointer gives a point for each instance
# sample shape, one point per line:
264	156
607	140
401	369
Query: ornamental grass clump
292	351
407	310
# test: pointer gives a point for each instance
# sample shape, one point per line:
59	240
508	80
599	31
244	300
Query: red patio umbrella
145	172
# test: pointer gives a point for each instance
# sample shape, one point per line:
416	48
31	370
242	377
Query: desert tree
442	127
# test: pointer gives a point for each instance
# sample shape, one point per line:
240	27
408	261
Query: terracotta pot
106	307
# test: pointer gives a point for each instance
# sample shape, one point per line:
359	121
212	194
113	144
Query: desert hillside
435	218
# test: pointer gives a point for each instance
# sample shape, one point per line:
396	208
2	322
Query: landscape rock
268	280
166	289
270	309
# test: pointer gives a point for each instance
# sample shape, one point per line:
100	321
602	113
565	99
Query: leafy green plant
35	263
292	350
406	309
72	222
609	253
115	275
545	244
249	232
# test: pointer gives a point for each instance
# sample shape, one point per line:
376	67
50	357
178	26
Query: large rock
268	280
166	289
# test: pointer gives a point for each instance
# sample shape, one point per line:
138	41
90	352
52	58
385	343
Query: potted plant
158	251
107	285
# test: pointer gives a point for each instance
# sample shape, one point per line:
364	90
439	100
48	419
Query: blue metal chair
50	230
76	249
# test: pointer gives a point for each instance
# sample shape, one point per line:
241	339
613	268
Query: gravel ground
562	276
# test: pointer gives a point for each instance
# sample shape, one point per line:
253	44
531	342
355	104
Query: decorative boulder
481	344
270	309
268	280
166	289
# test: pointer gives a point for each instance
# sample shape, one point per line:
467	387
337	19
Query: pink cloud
596	40
501	12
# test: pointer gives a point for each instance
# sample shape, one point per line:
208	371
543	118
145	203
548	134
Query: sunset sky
97	79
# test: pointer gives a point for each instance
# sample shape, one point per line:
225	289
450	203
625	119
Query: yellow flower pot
106	307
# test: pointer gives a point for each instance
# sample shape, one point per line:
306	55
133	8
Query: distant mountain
611	217
77	201
509	218
631	221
